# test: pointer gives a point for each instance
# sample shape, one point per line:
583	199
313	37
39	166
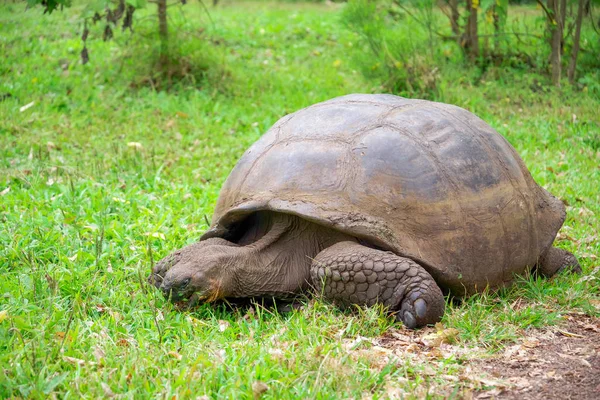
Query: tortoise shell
425	180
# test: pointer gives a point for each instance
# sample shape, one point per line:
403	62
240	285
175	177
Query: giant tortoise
373	199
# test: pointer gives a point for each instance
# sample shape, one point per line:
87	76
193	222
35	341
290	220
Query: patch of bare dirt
553	363
557	363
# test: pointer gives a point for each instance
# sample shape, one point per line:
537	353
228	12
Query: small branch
513	33
548	14
208	14
446	13
592	18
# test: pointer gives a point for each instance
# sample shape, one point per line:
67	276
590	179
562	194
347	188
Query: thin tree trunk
163	33
563	13
472	41
454	16
555	39
575	50
563	22
496	29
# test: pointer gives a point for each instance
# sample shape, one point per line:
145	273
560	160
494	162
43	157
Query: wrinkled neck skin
274	256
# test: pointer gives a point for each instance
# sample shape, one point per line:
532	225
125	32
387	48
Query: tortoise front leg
350	273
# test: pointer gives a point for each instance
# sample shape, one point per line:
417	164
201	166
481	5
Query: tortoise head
200	269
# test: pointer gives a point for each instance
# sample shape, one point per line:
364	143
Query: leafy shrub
397	51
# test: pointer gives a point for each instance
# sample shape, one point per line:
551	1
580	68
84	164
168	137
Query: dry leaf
74	360
175	355
402	338
3	315
591	327
99	354
27	106
441	336
277	354
394	392
575	358
5	191
158	235
258	388
223	325
448	335
413	348
135	145
531	342
219	356
115	315
107	390
561	236
250	314
352	344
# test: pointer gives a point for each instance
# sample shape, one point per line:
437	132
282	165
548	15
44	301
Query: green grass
84	210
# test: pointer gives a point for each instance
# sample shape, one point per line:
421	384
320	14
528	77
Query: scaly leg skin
555	260
350	273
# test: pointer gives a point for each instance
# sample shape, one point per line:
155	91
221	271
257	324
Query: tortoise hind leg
350	273
554	261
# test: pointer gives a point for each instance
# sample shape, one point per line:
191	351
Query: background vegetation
108	166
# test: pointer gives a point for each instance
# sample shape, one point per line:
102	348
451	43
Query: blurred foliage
408	44
49	5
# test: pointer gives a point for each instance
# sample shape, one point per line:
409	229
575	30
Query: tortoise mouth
186	298
177	294
192	297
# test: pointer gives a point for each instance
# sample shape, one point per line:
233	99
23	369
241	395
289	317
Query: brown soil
559	363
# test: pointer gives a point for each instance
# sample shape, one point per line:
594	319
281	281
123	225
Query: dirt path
559	363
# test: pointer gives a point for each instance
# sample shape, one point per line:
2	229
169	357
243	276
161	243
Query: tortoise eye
185	282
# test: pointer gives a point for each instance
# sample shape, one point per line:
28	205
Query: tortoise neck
278	263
